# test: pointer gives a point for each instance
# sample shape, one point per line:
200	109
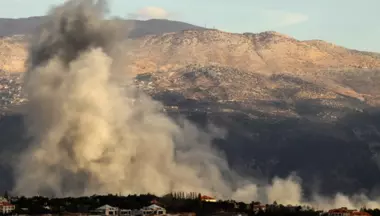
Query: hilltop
265	52
262	52
14	34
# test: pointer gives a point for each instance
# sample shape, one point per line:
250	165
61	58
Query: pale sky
350	23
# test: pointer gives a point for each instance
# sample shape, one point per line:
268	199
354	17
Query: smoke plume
92	136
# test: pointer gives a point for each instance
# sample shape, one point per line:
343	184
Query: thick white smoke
90	136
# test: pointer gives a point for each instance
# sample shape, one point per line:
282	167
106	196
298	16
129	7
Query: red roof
352	212
204	197
341	210
6	204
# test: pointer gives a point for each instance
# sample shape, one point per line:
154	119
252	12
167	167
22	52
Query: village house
346	212
110	210
257	206
205	198
5	206
107	210
152	210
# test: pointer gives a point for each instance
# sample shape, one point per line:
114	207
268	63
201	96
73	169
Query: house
6	207
346	212
257	206
339	212
153	210
360	213
106	210
208	198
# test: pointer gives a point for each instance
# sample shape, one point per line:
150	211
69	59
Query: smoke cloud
92	135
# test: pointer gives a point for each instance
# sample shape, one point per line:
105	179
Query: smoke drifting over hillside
92	137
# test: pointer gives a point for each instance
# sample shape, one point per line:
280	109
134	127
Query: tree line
173	203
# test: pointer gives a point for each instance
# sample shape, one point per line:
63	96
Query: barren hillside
13	54
288	105
263	52
267	51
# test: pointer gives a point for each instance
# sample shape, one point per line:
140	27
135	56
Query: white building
6	207
150	210
106	210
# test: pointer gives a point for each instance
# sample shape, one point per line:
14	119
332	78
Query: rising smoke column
90	136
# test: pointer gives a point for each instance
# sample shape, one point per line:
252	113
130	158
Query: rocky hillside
276	123
288	105
267	51
281	123
264	52
13	54
13	33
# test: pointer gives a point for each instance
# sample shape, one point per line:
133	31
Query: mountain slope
262	52
13	54
13	50
288	105
21	26
267	51
276	123
280	123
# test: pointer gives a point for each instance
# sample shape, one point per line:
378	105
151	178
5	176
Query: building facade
346	212
108	210
6	207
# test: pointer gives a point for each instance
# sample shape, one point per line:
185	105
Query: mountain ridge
168	44
134	28
266	51
288	105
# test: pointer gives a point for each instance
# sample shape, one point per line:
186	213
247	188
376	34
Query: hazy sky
351	23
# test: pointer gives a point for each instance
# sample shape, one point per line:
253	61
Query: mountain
13	54
288	105
21	26
276	123
282	122
13	33
265	52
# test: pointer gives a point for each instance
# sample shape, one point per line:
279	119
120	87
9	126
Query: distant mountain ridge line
252	52
166	45
273	33
311	112
186	27
24	26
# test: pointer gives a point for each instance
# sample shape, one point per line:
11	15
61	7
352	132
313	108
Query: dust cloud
92	136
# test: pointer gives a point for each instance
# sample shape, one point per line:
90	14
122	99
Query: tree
6	195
